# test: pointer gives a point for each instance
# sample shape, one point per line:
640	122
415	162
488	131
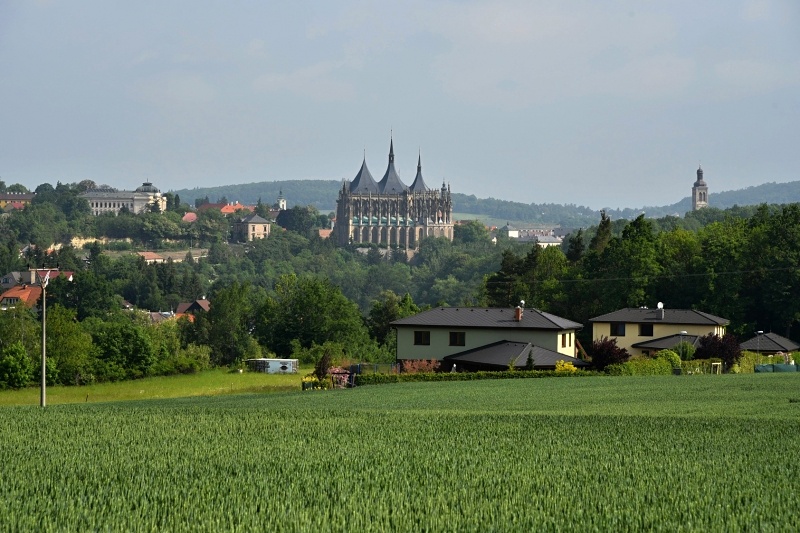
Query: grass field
208	383
700	453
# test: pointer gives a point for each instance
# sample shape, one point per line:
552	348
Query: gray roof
769	342
483	317
253	218
644	315
501	353
364	183
419	183
668	342
700	181
391	183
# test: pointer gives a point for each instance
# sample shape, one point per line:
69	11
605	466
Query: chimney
518	311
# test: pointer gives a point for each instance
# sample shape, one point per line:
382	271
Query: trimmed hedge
661	366
379	379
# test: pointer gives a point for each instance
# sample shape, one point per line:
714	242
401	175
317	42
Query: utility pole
43	282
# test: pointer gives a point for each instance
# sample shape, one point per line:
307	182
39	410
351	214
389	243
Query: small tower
699	192
281	201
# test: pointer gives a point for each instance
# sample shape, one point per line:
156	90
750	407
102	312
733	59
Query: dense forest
295	294
322	195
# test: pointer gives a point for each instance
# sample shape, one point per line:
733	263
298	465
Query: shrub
673	358
642	366
604	352
415	366
564	366
685	350
726	348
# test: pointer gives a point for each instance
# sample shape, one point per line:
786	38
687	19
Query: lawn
208	383
691	453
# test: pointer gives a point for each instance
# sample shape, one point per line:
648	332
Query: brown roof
189	307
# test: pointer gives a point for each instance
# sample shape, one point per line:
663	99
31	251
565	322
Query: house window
563	340
422	338
645	330
458	338
618	329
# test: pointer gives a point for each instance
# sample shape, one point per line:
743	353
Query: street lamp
758	344
682	348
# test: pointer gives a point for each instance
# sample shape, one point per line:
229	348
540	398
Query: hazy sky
605	104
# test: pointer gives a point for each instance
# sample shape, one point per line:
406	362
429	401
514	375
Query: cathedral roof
391	184
700	182
364	182
419	183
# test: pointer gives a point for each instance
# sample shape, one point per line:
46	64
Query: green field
206	383
700	453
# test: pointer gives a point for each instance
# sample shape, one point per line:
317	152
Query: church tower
699	192
281	201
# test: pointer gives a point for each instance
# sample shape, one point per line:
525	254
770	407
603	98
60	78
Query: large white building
112	200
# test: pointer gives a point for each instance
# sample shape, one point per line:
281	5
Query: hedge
659	366
379	379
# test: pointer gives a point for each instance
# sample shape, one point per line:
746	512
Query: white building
112	200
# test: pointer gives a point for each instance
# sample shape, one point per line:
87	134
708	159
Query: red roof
189	217
27	294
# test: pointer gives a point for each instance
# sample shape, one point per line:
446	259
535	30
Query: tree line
295	294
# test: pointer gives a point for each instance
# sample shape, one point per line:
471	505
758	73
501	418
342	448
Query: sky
595	103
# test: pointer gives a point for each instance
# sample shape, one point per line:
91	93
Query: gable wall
475	338
603	329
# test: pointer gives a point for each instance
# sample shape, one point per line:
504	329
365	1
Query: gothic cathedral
390	213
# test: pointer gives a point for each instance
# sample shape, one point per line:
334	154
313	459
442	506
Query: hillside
322	195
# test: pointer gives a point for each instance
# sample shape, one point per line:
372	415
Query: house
25	294
192	307
250	228
643	331
151	257
769	343
10	280
32	276
15	200
486	338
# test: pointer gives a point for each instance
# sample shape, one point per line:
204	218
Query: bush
685	350
413	366
604	352
563	366
673	358
726	348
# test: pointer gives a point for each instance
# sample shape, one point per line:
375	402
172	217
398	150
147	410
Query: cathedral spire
391	149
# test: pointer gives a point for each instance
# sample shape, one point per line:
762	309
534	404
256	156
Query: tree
16	368
575	246
231	318
311	311
298	219
603	235
604	351
470	232
385	310
69	346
